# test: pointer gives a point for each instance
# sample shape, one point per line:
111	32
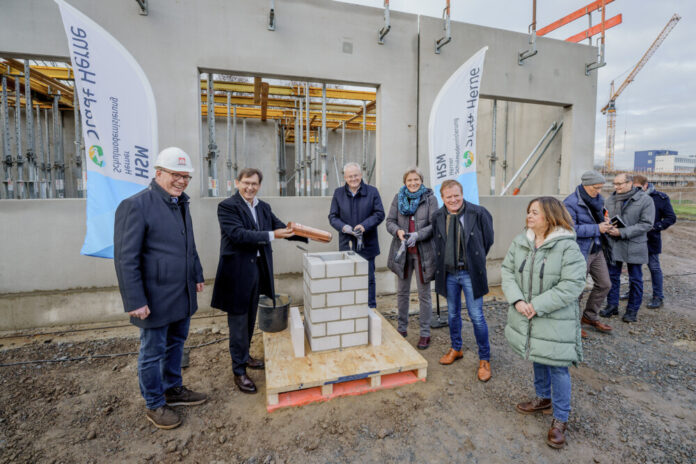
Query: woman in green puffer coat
543	274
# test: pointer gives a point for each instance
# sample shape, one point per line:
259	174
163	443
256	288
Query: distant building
645	160
671	163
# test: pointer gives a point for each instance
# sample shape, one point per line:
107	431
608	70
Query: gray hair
628	176
352	164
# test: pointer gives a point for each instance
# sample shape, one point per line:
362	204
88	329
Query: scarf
454	247
595	204
409	201
627	195
650	189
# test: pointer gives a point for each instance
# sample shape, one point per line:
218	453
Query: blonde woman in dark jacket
409	222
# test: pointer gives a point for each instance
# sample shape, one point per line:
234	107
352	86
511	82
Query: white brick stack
335	300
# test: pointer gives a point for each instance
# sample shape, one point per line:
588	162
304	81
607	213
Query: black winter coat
240	242
364	208
155	257
478	235
664	217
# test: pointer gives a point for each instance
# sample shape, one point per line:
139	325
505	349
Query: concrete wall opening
298	132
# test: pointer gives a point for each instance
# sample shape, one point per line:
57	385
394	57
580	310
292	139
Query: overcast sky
657	110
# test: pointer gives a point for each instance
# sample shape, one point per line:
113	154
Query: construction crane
610	108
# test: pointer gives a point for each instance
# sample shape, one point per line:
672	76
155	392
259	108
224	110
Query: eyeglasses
616	184
177	176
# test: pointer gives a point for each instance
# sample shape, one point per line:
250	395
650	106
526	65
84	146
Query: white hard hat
174	159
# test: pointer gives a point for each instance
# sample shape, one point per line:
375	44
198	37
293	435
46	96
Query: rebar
41	155
229	145
493	153
6	153
78	171
31	145
59	160
212	147
324	174
47	165
21	188
364	138
308	124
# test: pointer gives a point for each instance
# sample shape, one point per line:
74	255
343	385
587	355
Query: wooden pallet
321	376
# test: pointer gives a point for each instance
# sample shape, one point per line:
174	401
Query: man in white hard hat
159	274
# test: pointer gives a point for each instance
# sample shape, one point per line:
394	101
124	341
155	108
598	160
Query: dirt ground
634	398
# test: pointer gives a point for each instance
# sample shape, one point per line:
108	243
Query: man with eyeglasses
159	274
631	212
586	207
245	269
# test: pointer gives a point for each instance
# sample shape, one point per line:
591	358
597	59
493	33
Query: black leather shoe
609	311
624	296
245	384
655	303
255	363
629	317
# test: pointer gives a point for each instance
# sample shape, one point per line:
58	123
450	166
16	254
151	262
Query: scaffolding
302	114
35	96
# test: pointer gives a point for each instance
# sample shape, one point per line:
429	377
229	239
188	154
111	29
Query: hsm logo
95	154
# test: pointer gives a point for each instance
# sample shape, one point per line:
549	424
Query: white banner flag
119	124
452	129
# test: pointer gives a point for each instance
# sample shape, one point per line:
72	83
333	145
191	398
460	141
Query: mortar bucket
274	319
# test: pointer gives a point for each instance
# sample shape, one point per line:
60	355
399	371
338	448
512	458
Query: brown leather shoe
583	334
423	343
245	384
536	405
255	363
556	435
451	356
596	324
484	371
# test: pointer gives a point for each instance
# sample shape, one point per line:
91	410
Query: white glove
347	229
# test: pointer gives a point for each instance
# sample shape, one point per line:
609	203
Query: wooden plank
285	373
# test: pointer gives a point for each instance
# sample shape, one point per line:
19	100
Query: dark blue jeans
656	275
371	292
456	283
635	294
159	361
554	382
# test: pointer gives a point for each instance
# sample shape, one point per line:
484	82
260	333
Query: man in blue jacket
586	207
664	217
159	274
356	211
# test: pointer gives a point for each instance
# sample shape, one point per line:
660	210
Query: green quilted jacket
551	278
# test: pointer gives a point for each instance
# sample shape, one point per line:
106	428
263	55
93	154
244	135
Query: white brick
340	327
340	298
297	332
316	269
353	283
325	343
315	301
361	325
339	268
313	328
324	285
361	297
324	315
353	312
361	265
375	328
354	339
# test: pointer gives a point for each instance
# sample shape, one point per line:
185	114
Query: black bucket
274	319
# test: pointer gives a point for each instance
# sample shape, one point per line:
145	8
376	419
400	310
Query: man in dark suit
245	269
356	211
463	235
159	273
664	218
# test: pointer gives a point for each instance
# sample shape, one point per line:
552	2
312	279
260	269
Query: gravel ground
634	398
